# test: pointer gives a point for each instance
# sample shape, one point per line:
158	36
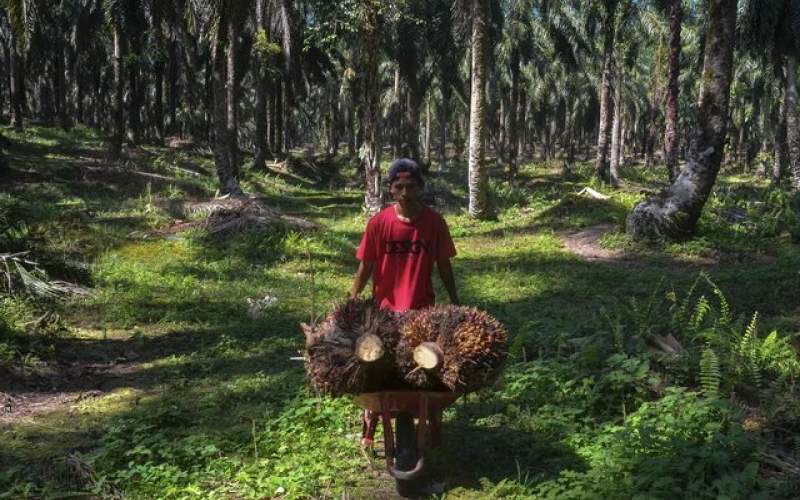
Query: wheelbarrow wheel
406	453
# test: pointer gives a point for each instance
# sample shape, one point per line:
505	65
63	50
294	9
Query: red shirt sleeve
446	248
367	249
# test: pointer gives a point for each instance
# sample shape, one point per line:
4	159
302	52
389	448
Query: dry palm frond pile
458	347
224	215
351	351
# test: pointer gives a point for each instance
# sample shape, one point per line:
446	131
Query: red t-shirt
404	254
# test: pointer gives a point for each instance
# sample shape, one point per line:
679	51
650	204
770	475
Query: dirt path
586	243
27	394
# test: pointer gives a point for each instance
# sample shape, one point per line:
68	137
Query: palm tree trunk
172	87
411	123
371	148
616	129
428	122
396	117
260	83
778	141
158	70
671	125
17	83
334	105
351	120
260	112
118	118
604	128
61	89
479	206
228	182
195	102
675	213
277	115
444	116
135	90
792	122
232	97
513	141
522	125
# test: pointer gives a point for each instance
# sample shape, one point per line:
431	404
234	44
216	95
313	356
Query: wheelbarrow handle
406	475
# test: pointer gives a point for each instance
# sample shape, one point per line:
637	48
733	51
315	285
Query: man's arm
362	276
446	273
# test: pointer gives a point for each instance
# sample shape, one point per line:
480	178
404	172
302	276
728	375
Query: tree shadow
473	453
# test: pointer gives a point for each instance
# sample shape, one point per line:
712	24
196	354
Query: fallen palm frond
591	193
19	274
227	215
224	215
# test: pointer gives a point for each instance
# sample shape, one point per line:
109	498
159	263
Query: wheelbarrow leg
369	423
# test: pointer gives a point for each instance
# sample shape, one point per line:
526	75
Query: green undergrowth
652	376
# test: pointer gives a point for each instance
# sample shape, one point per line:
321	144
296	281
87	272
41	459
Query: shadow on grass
474	453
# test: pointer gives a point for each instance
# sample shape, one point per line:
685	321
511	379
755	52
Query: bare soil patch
27	394
586	243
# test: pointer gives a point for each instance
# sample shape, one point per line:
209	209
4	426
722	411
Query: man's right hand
362	276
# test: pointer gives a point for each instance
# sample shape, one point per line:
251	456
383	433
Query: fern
701	309
747	351
724	318
710	375
680	315
776	355
643	316
617	330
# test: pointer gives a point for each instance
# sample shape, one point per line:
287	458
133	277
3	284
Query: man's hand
446	273
362	276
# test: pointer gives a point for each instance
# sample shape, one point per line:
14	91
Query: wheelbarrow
404	446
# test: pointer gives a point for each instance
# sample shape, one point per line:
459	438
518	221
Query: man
402	243
399	248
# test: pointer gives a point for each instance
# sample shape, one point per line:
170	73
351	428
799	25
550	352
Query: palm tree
604	127
445	62
674	213
479	205
370	16
22	17
792	120
671	119
516	48
260	69
774	25
616	123
115	15
414	26
219	21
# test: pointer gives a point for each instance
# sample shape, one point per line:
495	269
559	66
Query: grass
207	404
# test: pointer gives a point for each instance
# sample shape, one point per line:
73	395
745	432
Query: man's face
404	191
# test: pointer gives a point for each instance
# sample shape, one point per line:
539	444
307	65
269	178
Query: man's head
405	181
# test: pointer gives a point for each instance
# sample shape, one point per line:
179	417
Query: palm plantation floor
174	379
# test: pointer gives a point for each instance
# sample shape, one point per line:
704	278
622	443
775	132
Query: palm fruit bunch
350	351
457	347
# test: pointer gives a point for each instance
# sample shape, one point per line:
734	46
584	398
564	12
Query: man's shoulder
433	216
380	218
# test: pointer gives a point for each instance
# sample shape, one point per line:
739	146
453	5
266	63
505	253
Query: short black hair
404	167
